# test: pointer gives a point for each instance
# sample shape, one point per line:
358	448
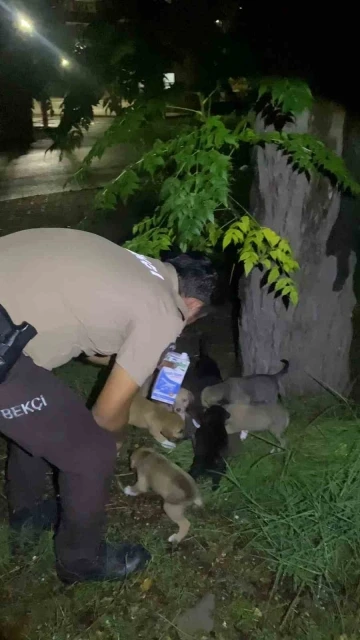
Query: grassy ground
278	546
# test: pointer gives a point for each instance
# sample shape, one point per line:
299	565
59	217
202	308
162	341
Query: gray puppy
246	418
255	389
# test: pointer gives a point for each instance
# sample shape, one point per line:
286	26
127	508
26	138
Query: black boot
115	562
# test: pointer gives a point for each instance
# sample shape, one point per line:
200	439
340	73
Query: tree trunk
44	113
316	335
16	126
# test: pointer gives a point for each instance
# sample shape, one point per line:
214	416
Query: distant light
169	80
24	24
64	62
217	21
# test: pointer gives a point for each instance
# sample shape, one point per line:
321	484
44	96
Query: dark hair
197	277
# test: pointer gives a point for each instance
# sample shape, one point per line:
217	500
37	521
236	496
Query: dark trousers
48	425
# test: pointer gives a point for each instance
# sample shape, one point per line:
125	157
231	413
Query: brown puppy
183	399
182	402
245	417
153	416
174	485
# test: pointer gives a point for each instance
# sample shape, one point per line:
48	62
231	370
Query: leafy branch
261	247
194	175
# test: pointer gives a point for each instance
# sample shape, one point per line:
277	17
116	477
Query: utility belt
13	339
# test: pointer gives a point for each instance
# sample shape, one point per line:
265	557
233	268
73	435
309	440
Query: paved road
35	173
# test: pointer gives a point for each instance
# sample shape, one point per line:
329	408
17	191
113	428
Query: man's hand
111	410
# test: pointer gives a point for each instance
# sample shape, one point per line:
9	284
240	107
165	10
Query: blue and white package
170	378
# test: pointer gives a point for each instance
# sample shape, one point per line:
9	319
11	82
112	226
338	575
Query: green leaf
263	88
257	237
281	283
284	246
274	254
249	255
270	235
286	290
290	95
273	275
214	234
152	162
226	241
248	266
244	223
127	184
266	262
232	235
294	297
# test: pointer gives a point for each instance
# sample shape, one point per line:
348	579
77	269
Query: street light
24	24
64	62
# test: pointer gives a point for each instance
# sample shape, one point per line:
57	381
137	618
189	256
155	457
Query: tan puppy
153	416
174	485
182	401
245	417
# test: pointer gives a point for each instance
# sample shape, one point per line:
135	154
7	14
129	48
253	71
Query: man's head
197	281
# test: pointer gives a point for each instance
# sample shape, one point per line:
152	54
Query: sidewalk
54	210
71	209
56	105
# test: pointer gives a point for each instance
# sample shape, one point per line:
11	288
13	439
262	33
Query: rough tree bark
316	335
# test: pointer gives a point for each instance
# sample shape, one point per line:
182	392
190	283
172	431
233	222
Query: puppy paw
168	445
173	538
243	435
129	491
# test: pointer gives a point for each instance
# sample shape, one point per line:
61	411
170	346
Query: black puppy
205	373
211	445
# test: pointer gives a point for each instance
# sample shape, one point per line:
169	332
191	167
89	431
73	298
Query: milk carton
168	383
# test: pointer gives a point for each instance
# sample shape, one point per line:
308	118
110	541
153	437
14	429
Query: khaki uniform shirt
84	293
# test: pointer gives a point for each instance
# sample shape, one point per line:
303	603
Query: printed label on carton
170	378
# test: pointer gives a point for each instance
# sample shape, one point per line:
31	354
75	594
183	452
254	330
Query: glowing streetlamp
64	63
24	24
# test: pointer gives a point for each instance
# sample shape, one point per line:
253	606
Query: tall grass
301	511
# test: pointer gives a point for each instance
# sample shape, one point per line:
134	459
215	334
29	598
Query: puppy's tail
285	368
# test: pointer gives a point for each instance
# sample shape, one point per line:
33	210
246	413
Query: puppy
244	418
211	446
174	485
183	401
204	374
161	423
255	389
